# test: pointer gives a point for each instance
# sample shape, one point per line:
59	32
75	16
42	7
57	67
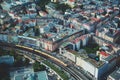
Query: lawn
91	48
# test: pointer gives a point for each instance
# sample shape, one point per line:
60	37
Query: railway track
46	56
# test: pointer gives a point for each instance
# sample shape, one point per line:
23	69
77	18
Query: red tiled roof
104	53
79	38
19	20
95	19
33	20
11	12
100	10
72	0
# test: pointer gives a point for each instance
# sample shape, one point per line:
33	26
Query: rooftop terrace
85	57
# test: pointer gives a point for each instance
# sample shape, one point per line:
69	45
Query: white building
96	68
27	41
27	73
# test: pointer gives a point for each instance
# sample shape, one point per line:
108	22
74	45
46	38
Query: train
43	53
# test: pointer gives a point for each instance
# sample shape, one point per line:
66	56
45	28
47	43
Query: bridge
46	56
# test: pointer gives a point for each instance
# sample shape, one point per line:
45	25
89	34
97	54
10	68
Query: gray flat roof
42	75
115	74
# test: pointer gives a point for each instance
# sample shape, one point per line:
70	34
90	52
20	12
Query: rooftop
85	57
54	32
28	74
116	74
95	63
110	58
6	59
42	75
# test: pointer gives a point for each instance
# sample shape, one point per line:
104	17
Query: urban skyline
59	39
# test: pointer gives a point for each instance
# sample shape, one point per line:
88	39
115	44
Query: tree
26	62
37	32
42	3
1	1
118	24
95	15
62	7
12	52
81	6
38	67
105	12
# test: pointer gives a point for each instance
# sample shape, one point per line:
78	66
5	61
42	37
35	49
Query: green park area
91	48
57	70
20	61
42	3
58	6
62	7
38	67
